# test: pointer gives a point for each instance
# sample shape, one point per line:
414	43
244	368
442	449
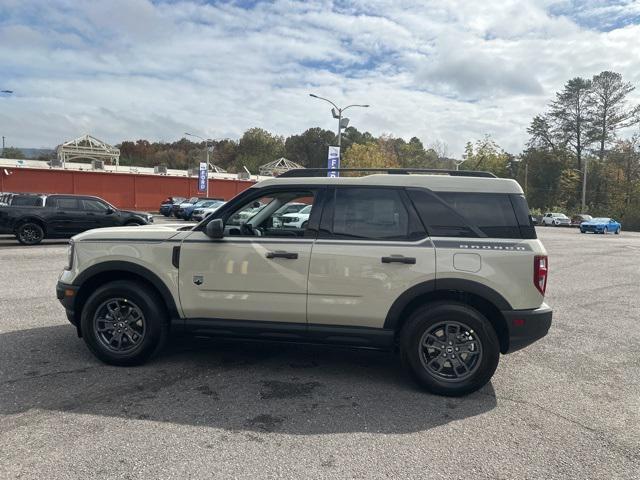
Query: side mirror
215	228
110	211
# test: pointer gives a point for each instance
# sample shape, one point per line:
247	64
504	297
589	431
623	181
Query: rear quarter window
474	214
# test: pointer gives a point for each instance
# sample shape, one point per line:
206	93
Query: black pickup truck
62	216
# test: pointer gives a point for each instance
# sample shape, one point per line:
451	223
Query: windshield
306	209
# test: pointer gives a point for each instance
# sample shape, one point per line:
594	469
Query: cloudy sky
440	70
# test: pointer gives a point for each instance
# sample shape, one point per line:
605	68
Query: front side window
94	206
370	213
265	216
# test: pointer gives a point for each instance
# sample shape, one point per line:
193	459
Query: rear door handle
282	254
399	259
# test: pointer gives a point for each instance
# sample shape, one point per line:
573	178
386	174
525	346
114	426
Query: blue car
601	225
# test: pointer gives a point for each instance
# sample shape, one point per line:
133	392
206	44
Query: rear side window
67	203
370	213
465	214
438	217
492	213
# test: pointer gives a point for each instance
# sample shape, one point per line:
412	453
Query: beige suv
443	266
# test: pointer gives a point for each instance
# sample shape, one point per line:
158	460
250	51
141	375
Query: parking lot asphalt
566	407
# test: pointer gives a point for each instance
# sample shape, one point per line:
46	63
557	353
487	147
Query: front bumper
67	295
527	326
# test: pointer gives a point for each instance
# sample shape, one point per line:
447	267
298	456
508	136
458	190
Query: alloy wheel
119	325
450	351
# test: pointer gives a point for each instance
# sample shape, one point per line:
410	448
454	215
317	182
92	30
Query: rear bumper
527	326
67	294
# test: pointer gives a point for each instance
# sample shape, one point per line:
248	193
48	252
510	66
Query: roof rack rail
321	172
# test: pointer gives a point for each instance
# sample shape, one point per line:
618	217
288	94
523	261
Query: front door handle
399	259
282	254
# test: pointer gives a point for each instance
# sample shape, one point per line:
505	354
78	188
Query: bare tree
608	108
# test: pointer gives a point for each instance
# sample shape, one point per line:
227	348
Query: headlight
70	251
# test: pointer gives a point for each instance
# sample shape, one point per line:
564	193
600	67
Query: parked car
407	263
577	220
602	225
186	210
556	219
167	204
298	219
200	214
175	208
62	216
291	207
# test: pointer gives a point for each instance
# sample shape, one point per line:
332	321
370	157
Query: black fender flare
134	268
393	318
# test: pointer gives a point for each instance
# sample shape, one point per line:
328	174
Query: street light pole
338	114
206	146
8	92
584	187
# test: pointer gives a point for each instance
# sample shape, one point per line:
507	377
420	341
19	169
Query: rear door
371	248
68	216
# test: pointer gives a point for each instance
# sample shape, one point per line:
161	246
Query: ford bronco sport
443	266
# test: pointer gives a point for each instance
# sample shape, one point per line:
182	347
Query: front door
258	271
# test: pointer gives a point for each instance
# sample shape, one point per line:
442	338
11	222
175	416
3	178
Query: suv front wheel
450	348
124	323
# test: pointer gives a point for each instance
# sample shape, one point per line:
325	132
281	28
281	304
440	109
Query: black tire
304	224
605	231
482	336
155	323
132	224
618	231
29	233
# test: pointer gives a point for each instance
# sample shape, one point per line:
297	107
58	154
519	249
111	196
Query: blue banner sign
333	161
202	177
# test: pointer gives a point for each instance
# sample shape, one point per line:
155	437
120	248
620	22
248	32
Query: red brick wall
124	190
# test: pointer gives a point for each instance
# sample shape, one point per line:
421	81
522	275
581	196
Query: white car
297	219
202	213
555	219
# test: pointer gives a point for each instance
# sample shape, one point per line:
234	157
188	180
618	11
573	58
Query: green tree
309	149
570	114
12	152
257	147
486	154
609	111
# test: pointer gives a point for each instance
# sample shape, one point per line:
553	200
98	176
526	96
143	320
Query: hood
593	222
135	212
158	233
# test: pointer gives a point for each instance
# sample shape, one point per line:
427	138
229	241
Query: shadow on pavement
293	389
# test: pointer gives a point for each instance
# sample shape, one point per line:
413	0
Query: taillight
540	272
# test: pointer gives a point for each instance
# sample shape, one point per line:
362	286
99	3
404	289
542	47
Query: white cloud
451	71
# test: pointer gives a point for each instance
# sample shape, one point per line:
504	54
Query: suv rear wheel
29	233
123	323
449	348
